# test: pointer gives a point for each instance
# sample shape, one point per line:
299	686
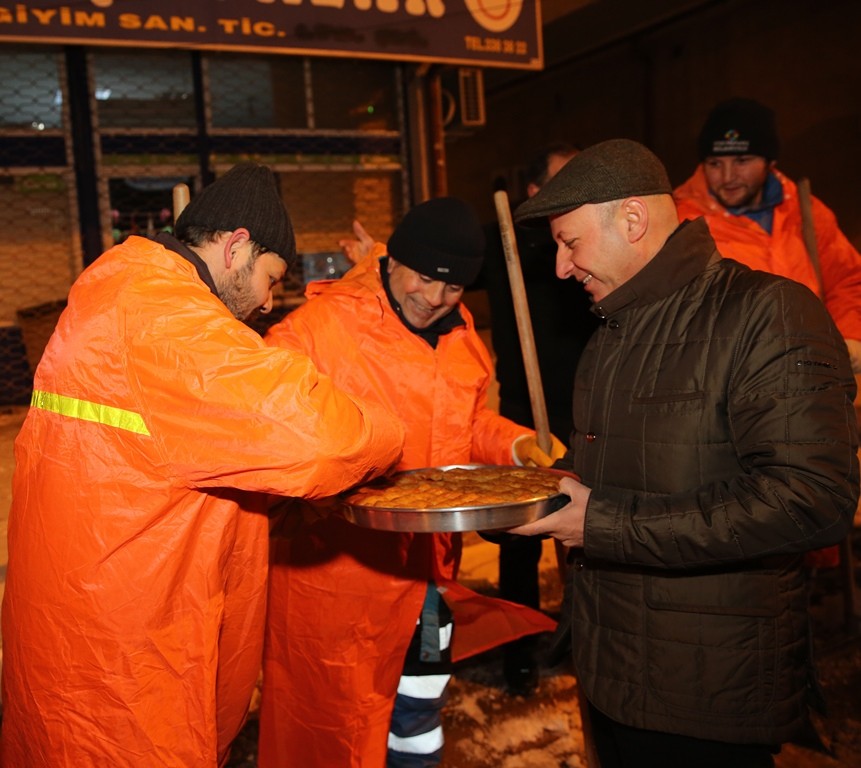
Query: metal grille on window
40	251
332	129
143	107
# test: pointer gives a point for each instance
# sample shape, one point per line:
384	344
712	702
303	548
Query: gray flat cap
611	170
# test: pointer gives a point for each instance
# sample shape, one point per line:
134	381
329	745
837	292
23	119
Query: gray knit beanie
611	170
246	196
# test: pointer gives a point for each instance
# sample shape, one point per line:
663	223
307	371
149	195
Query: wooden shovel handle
181	198
808	233
524	321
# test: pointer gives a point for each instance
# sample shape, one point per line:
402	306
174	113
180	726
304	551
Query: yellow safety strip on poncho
87	411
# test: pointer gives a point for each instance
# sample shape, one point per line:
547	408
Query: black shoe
520	667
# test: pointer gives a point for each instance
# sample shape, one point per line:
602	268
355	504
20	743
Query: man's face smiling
592	248
423	300
737	180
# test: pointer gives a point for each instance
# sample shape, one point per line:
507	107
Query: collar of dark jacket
687	252
172	244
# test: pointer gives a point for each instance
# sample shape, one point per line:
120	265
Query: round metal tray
473	518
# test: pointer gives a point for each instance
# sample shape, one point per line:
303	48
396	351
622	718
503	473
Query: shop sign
496	33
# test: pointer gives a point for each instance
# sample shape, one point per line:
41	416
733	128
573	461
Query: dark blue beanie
739	127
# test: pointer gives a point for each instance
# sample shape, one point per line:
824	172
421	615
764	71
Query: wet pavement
485	725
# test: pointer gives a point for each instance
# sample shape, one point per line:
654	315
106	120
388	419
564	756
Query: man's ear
636	215
235	239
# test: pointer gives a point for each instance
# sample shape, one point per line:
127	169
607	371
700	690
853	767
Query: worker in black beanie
392	331
761	217
160	429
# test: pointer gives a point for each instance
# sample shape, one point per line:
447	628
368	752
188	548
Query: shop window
30	91
354	95
144	89
260	92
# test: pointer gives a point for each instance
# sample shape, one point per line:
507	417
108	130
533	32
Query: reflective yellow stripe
87	411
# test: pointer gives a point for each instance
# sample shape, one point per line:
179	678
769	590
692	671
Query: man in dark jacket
715	438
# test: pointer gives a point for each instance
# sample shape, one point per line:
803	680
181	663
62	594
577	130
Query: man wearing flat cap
715	442
358	652
138	535
757	215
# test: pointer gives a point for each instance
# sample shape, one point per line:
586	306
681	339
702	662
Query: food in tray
436	488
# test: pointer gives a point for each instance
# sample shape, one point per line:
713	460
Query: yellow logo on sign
495	15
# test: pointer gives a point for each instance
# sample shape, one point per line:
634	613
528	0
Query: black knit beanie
739	127
441	239
610	170
246	196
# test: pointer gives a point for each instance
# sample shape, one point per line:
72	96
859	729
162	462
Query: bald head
663	221
603	245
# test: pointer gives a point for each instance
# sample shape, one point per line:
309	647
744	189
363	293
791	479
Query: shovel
524	321
536	397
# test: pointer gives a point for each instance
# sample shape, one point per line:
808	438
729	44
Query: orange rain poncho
783	252
343	600
135	594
